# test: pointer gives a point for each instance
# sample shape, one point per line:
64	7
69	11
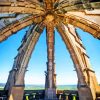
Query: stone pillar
68	33
16	93
29	41
50	90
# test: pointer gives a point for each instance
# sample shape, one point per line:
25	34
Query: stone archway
49	14
15	83
85	74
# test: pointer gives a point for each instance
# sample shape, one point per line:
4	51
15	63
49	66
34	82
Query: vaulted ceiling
17	14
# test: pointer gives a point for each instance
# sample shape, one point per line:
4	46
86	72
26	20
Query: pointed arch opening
35	76
66	75
92	47
8	51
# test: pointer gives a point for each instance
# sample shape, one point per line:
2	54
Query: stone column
67	34
50	90
16	90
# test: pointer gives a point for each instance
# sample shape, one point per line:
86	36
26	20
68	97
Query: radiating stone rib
48	5
63	8
35	34
21	63
20	7
84	92
84	24
36	2
18	25
17	59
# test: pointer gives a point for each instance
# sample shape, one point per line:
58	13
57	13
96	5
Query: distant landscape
2	86
40	87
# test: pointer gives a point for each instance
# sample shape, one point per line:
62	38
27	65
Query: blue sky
37	65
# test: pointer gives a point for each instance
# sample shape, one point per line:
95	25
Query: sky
37	65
